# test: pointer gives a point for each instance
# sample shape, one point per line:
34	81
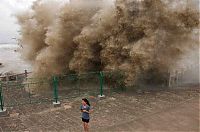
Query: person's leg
84	127
87	127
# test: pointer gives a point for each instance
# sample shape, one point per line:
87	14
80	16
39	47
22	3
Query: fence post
3	112
101	79
55	91
170	79
79	81
1	97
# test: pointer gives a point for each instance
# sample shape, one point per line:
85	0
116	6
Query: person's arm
81	109
88	110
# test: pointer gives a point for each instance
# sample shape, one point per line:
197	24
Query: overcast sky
8	26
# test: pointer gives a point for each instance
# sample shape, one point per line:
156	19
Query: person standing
85	109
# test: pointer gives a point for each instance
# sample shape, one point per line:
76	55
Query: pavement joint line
169	94
127	106
169	100
175	94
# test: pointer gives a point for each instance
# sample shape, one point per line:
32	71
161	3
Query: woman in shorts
85	109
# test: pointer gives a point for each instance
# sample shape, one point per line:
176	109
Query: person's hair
86	101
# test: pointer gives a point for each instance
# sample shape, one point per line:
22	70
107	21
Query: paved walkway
168	110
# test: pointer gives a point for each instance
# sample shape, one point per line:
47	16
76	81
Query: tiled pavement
169	110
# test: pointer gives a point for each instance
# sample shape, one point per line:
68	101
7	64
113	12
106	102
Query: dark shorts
85	120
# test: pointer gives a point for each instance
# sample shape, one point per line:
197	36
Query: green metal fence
1	98
57	88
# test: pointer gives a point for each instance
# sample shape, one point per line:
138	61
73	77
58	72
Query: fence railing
59	87
184	76
14	77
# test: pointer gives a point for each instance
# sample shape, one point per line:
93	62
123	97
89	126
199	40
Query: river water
11	59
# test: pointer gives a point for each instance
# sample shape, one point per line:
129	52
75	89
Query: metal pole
29	93
169	81
55	87
1	97
79	90
101	83
101	79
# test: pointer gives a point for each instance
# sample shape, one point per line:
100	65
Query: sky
8	25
